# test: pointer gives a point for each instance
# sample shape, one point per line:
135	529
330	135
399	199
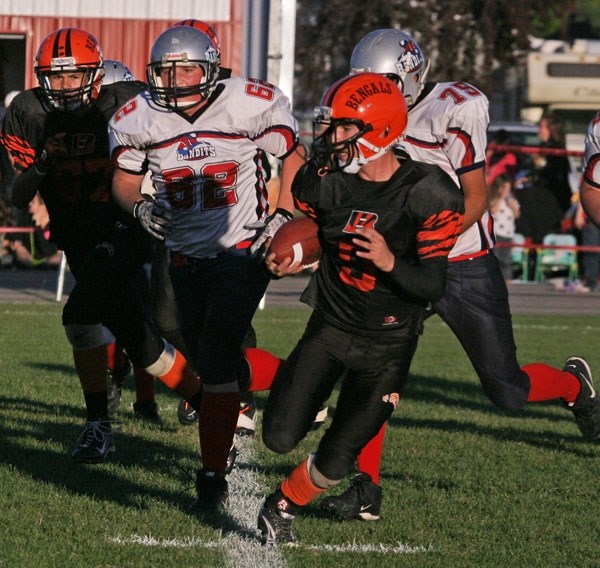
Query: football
297	239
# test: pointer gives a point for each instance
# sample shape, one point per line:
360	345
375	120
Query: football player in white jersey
447	125
204	144
590	185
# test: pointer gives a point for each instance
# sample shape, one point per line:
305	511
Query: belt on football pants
240	249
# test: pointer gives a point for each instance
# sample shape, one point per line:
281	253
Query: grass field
465	484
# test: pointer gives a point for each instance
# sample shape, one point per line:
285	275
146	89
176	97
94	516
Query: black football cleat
586	408
95	442
362	500
212	492
275	520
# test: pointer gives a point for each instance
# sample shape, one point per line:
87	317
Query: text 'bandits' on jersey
192	147
367	90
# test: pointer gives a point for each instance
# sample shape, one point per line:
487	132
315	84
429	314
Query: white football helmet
115	71
396	55
182	46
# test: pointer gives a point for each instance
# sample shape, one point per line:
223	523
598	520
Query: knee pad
164	363
86	336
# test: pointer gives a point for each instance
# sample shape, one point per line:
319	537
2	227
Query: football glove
154	217
267	228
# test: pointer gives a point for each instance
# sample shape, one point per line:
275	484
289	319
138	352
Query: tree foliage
465	39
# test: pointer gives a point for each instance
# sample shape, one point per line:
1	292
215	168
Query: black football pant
372	370
216	299
106	292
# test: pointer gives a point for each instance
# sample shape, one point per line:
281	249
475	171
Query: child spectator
505	210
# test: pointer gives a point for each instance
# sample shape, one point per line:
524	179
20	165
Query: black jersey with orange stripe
76	190
418	211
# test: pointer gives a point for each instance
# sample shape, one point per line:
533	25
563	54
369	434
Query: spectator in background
540	211
553	171
590	236
6	220
35	250
505	210
500	162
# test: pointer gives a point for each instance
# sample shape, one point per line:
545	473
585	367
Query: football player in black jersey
386	226
58	138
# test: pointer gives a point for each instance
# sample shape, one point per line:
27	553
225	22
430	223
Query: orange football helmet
70	50
371	102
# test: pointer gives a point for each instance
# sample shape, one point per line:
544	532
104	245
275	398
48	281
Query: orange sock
299	487
181	378
116	357
548	383
144	385
263	368
369	459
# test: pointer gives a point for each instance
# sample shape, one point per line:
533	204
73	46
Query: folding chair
554	260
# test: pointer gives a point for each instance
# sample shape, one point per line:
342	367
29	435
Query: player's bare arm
126	189
289	166
476	196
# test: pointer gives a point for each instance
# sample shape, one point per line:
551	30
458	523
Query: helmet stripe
68	51
330	95
56	45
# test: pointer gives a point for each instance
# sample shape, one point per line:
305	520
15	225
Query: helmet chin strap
356	163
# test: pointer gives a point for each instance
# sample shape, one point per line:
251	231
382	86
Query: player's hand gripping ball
297	239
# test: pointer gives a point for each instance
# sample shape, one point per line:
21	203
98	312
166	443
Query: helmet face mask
181	46
68	53
396	55
332	154
368	111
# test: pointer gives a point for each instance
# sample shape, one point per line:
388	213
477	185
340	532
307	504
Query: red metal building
125	29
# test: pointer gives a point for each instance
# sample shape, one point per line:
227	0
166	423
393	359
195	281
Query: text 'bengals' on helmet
74	53
374	105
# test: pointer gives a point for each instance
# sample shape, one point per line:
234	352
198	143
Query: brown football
297	239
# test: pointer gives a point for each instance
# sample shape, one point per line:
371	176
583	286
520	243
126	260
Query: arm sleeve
435	239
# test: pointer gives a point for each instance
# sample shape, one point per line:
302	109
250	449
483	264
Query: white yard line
150	541
246	494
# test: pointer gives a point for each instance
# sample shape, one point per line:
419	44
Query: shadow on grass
38	437
470	396
40	449
52	368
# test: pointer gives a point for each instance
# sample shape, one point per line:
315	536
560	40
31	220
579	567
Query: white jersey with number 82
209	169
